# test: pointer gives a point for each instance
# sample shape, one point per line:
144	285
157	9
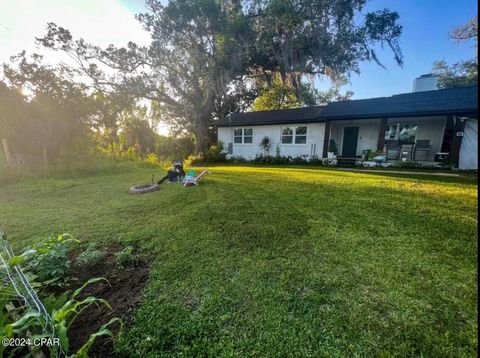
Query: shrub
125	257
281	160
369	154
315	160
264	159
48	261
194	159
265	145
90	257
300	160
215	154
152	159
238	160
412	165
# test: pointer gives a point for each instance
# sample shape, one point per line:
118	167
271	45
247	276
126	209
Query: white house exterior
311	146
429	124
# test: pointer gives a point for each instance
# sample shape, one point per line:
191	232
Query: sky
426	25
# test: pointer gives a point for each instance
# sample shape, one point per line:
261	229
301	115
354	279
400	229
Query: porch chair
422	145
407	148
392	149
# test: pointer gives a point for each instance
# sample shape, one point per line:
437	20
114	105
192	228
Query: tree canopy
208	57
278	95
465	72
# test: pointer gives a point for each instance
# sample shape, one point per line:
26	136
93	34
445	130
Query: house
424	126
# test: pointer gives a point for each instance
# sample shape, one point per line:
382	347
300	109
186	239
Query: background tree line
43	107
207	59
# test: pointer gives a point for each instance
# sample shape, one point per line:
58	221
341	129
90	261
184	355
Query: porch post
457	139
448	135
326	138
381	134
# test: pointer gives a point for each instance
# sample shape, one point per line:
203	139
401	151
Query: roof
437	102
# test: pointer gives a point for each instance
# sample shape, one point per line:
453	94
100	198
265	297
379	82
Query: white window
237	136
287	135
294	135
301	135
247	135
243	136
404	133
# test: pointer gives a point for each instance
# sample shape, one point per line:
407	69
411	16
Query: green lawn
280	262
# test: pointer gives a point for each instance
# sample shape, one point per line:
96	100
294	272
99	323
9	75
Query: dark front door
350	138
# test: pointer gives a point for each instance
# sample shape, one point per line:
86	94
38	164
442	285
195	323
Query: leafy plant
91	256
63	318
125	257
265	145
369	154
48	261
332	147
300	160
194	159
237	160
215	154
412	165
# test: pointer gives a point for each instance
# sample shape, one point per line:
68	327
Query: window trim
242	136
294	135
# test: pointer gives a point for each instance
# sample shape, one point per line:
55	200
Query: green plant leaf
16	260
89	282
61	329
102	331
28	320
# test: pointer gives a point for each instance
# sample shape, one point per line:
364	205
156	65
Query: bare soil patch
123	294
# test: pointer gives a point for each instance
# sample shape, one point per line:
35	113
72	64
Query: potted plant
368	158
332	150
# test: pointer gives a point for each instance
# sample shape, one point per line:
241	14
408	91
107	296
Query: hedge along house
426	126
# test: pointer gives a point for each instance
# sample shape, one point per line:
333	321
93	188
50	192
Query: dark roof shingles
428	102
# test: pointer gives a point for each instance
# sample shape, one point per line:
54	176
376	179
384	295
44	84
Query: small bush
125	257
238	160
369	154
265	145
152	159
215	154
280	160
263	159
315	160
301	160
90	257
48	261
412	165
194	159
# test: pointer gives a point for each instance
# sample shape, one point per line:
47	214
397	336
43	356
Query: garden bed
123	294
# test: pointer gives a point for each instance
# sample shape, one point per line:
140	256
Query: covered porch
422	139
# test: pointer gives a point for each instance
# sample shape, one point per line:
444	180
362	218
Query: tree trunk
200	136
204	112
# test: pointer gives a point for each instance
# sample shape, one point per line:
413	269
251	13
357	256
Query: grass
280	262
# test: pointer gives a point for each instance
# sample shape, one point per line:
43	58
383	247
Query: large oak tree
206	56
